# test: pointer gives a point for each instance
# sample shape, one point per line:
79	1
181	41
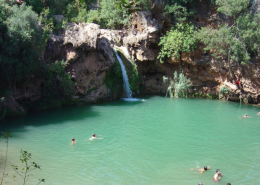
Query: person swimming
205	168
258	113
217	175
200	183
245	116
94	137
73	140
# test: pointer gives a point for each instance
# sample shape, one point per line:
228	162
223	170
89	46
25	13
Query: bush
178	40
37	5
111	16
56	82
76	12
179	86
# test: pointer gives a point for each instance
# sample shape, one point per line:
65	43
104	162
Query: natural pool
152	142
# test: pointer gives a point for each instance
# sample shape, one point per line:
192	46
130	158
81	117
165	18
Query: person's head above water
73	139
94	135
217	170
205	168
200	183
228	183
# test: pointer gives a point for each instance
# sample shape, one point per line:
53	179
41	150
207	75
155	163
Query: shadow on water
54	116
126	101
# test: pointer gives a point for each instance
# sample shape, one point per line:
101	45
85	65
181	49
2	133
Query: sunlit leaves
180	39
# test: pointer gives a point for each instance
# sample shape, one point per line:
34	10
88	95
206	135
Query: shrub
178	40
179	86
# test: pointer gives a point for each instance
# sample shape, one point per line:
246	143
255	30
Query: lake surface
155	141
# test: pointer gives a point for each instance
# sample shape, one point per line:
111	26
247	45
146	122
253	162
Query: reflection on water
151	142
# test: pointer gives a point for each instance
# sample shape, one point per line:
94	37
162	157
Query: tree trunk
231	73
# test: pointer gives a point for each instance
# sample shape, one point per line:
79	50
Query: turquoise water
155	141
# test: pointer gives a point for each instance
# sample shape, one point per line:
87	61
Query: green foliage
47	24
224	90
37	5
76	12
130	6
178	86
134	81
178	40
176	13
24	173
57	6
112	78
180	2
21	35
239	41
93	16
111	16
23	25
57	83
232	7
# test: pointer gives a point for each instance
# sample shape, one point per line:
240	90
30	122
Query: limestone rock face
143	34
88	51
82	35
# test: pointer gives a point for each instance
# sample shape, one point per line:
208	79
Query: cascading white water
127	89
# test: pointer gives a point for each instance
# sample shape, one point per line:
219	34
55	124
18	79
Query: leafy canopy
180	39
232	7
111	16
239	41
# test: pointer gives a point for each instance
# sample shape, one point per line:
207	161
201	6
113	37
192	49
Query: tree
111	16
238	41
29	166
77	11
6	136
37	5
23	35
180	39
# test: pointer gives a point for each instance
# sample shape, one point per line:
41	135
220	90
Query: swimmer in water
228	183
205	168
73	141
258	113
217	176
245	116
94	137
200	183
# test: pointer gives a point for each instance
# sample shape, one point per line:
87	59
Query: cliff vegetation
52	54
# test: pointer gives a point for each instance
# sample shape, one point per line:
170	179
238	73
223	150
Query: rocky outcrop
88	51
89	56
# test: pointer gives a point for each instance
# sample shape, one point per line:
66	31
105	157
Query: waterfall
127	89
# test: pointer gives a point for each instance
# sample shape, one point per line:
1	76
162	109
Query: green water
152	142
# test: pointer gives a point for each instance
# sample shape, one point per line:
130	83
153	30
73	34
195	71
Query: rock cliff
88	52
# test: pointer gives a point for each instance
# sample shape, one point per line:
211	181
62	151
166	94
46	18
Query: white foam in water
133	99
